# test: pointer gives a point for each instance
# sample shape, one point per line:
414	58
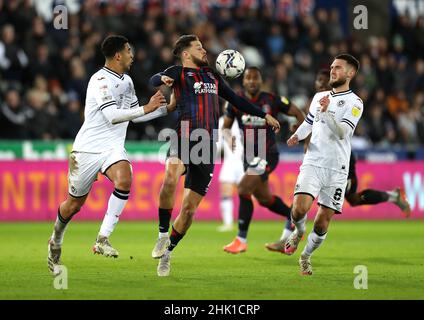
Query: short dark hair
183	43
112	45
349	59
254	68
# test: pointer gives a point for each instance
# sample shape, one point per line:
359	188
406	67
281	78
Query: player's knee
299	209
73	207
188	210
244	189
169	185
354	200
320	227
264	201
123	183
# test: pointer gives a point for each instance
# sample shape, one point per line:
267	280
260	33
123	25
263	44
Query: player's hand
172	105
293	140
272	122
167	81
324	102
157	100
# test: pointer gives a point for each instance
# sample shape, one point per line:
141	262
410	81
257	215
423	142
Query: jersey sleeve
312	110
353	113
103	93
282	104
173	72
134	99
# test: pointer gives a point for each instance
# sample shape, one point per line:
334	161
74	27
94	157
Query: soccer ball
230	63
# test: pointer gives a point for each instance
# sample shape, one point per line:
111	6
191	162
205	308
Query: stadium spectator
13	59
14	116
290	43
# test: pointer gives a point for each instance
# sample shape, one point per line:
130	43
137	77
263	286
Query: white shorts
231	171
328	185
84	167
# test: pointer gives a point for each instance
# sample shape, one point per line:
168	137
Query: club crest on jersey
341	103
204	87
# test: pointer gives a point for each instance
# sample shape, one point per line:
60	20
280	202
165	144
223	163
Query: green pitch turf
392	251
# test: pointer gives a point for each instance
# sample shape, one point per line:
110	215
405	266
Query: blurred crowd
44	71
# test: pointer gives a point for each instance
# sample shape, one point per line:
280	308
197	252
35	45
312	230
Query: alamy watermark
361	280
60	20
60	281
200	146
361	19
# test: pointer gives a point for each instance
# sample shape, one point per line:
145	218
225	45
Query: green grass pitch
392	251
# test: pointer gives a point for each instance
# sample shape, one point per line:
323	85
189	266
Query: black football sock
245	215
164	219
174	239
370	196
279	207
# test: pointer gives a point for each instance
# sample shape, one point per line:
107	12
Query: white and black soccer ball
230	63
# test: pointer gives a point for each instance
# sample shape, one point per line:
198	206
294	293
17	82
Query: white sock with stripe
314	242
116	205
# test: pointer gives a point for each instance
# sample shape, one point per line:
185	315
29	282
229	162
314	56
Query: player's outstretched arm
301	133
166	77
159	112
242	104
115	115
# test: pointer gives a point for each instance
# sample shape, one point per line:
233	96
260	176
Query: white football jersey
106	89
325	149
229	155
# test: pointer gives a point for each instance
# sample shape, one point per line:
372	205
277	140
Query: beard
336	84
199	62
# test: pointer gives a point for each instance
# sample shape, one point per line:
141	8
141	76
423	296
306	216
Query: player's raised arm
242	104
167	77
349	121
304	129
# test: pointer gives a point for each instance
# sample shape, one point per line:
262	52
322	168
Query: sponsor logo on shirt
356	111
202	88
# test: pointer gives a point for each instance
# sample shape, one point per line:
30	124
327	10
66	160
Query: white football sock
300	225
59	231
285	235
314	241
116	205
163	235
242	240
227	211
